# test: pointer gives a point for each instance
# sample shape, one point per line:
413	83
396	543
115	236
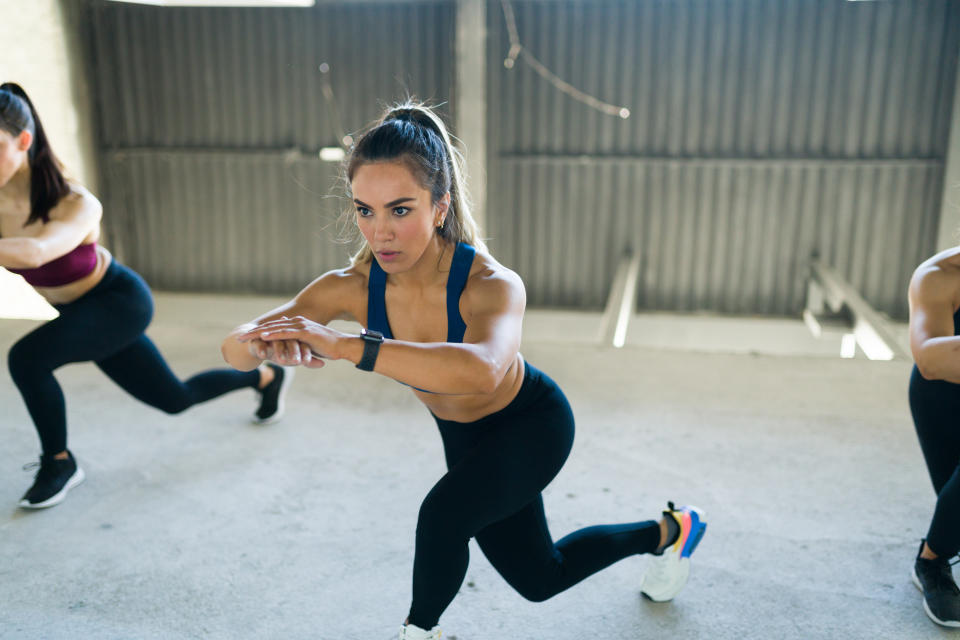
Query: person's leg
497	473
83	331
86	329
140	370
935	406
521	549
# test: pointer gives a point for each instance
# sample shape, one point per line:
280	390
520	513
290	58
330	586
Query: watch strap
371	348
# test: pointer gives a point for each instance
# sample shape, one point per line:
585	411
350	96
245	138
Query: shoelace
43	470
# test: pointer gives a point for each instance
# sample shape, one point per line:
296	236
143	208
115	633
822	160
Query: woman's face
395	214
13	154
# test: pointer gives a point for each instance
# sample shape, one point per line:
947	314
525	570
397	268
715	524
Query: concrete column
471	99
948	234
41	53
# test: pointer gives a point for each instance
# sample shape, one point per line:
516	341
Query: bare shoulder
337	294
937	279
491	285
78	203
348	280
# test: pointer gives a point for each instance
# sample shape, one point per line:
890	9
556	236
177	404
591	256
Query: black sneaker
272	396
52	482
941	597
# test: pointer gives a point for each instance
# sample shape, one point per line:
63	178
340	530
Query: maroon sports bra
67	268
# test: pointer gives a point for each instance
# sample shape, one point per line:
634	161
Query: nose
382	227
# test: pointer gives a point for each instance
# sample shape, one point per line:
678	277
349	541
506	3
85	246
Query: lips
388	256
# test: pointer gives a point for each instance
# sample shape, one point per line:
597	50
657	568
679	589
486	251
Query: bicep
496	319
931	313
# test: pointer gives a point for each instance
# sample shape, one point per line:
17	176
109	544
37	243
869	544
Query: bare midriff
472	407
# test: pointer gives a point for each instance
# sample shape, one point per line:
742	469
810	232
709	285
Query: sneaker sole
697	528
926	607
669	594
77	477
288	373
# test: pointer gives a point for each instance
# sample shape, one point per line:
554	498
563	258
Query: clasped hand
293	341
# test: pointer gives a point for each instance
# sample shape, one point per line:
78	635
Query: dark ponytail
47	184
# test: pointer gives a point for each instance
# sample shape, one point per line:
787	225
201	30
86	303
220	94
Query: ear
24	140
443	204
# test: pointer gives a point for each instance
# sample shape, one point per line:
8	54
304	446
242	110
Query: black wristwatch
371	347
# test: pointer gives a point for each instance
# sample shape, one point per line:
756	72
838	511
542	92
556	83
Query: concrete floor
205	526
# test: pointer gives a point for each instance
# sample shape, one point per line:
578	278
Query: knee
21	359
431	513
534	592
438	519
175	406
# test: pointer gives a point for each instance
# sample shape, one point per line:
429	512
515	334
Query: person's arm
936	350
496	302
71	220
326	298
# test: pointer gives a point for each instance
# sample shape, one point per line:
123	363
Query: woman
935	404
49	228
442	316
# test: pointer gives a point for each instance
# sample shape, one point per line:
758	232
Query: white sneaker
668	573
413	632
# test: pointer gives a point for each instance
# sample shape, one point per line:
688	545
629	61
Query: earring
440	224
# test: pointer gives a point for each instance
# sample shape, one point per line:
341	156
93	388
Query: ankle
669	532
63	455
927	553
267	374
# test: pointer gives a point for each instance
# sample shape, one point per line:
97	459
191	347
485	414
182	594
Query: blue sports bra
456	281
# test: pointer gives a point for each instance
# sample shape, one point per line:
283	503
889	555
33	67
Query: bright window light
19	300
332	154
223	3
848	345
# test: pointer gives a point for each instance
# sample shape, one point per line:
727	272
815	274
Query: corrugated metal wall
761	132
210	121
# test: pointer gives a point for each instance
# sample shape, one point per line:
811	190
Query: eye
364	212
401	211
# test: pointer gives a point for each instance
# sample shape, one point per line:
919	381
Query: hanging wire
517	49
328	96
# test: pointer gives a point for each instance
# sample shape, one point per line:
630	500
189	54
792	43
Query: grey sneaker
52	482
941	597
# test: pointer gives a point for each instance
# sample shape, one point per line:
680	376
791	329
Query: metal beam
621	302
873	332
471	99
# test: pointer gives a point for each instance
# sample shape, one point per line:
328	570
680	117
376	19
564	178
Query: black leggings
106	326
498	466
935	405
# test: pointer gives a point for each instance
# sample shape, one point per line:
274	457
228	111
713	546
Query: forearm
20	253
237	354
439	367
939	359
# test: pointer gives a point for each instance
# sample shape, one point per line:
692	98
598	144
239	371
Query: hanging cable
517	50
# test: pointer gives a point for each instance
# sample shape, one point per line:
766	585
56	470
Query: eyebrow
392	203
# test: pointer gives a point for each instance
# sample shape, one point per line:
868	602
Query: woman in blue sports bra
442	316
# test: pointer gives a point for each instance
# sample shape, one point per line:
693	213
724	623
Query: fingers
292	325
260	349
287	353
306	355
